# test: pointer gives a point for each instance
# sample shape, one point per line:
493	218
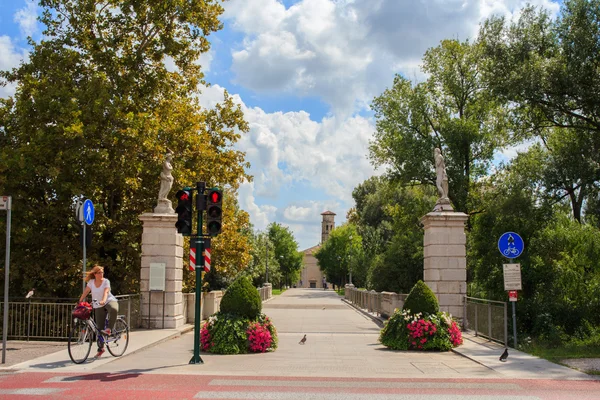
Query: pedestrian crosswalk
138	385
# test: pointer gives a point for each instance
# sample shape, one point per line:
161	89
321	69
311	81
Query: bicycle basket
83	311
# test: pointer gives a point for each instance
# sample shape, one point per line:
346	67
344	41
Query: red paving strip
157	387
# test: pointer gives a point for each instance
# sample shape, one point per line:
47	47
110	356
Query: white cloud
26	17
11	58
289	150
346	51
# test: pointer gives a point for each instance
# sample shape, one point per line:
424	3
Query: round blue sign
88	212
511	245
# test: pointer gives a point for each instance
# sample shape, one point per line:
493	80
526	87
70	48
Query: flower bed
231	334
405	331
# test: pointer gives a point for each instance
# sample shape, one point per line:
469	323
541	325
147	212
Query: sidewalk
519	365
138	340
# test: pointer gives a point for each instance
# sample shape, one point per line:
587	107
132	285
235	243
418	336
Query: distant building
311	276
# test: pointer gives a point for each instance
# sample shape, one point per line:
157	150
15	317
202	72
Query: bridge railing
50	318
487	318
381	303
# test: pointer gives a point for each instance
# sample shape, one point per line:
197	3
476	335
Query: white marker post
5	204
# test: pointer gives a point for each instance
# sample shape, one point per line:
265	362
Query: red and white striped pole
206	259
192	258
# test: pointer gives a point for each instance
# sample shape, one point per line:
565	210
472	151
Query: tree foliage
286	252
547	70
451	110
342	253
95	109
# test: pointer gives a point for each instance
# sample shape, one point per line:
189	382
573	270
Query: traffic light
214	211
184	212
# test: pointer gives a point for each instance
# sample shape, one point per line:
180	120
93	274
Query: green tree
547	70
94	111
451	110
286	252
261	259
342	253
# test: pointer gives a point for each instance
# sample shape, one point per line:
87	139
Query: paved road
341	342
341	359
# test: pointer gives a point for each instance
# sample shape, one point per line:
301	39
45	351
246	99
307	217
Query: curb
180	331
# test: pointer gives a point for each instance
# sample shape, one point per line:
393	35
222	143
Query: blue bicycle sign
511	245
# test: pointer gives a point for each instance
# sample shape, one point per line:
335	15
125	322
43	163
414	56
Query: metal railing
50	318
368	300
487	318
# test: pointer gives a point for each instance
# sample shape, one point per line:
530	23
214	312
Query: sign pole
511	246
514	325
84	254
199	267
7	202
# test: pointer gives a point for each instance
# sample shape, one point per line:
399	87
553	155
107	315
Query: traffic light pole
199	245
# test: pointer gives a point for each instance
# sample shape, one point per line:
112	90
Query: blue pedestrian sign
88	212
511	245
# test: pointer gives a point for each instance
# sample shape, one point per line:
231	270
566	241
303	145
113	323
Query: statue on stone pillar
443	203
166	182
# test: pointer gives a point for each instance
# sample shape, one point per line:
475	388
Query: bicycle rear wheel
117	345
80	341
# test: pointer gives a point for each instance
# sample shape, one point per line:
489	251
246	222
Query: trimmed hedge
421	299
242	299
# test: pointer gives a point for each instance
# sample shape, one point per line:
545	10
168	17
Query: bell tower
327	225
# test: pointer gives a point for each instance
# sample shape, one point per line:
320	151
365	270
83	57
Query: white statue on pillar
166	182
443	203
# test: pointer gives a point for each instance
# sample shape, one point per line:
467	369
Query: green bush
227	334
406	331
242	299
421	299
231	334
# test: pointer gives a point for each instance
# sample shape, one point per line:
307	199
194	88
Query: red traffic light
182	195
215	196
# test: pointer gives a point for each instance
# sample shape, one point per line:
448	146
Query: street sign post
6	204
511	246
87	214
512	276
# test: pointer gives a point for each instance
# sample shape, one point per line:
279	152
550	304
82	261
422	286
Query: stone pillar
445	259
162	244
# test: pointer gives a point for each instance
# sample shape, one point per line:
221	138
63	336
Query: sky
305	73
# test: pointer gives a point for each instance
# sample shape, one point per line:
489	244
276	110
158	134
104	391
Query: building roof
328	213
311	250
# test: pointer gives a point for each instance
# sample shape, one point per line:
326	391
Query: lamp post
267	260
280	264
350	265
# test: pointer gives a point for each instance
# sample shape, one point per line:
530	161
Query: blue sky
305	72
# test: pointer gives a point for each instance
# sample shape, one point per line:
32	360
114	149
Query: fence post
505	326
28	319
476	322
129	311
490	320
465	314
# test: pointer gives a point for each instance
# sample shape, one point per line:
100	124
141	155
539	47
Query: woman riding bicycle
105	301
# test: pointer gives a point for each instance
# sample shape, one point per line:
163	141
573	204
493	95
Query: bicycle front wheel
117	345
80	341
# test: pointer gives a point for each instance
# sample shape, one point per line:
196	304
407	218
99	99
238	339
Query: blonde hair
90	275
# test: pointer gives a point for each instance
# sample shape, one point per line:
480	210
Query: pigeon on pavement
30	294
504	355
303	340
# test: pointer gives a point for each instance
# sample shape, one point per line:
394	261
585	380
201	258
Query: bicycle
84	332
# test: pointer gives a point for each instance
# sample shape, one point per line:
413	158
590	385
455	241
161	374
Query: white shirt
98	292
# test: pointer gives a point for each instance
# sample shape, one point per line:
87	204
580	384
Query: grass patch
277	292
575	348
341	292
